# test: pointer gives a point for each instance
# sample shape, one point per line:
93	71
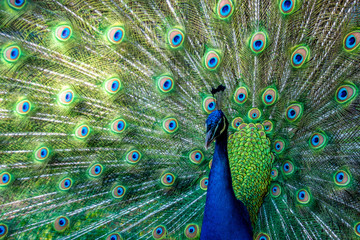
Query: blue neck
225	217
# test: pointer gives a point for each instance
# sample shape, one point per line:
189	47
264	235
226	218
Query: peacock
103	105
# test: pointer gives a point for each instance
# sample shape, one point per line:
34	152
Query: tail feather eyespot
287	7
114	236
225	9
5	179
346	93
204	183
23	107
118	191
133	156
254	114
269	96
303	196
241	95
258	42
168	179
275	190
318	141
96	170
116	35
262	236
118	125
3	230
12	54
61	223
212	60
192	231
300	56
159	232
170	125
176	38
279	146
112	85
196	156
342	178
294	112
65	184
352	41
166	84
42	153
16	4
82	131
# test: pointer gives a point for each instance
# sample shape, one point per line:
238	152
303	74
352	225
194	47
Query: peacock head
216	125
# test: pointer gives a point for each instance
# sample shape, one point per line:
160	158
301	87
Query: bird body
225	217
102	111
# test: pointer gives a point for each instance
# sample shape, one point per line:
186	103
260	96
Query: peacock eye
96	170
192	231
12	54
41	153
212	60
275	190
352	41
345	93
287	6
170	125
114	236
318	141
268	126
3	230
176	38
116	35
341	178
112	85
196	156
61	223
63	33
159	232
82	131
279	146
168	179
274	173
23	107
241	95
303	196
66	97
209	104
294	112
254	114
65	184
5	179
269	96
288	168
262	236
118	191
17	4
258	42
204	183
118	126
300	56
133	156
236	122
225	9
357	229
165	84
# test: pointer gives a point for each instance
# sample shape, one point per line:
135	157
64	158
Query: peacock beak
210	137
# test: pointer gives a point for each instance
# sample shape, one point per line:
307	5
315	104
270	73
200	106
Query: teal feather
116	68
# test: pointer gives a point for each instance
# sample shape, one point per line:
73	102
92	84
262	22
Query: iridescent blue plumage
225	217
